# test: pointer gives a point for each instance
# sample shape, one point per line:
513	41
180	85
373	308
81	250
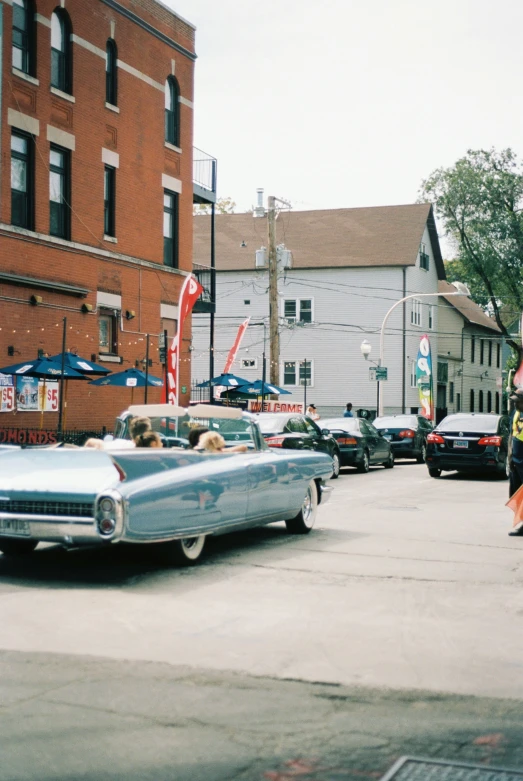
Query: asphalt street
394	627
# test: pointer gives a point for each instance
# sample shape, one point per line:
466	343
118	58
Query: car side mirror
325	432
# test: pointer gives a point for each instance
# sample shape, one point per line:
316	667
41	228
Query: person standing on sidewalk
515	456
311	412
348	411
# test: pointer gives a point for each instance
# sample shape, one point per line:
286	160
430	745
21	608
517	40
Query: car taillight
347	441
275	441
490	441
407	434
435	439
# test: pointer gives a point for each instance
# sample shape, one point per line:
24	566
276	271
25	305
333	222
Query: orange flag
516	504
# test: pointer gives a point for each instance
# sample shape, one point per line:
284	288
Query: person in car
195	434
212	442
148	439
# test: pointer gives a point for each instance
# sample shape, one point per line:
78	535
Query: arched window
61	52
111	82
472	400
480	401
23	49
172	111
489	398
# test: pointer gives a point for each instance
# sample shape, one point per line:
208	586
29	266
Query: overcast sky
345	103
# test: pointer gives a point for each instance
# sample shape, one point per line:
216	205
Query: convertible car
173	497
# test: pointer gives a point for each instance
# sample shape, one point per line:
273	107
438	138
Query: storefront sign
33	395
276	406
21	436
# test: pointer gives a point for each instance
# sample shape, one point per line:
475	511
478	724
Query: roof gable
468	309
328	238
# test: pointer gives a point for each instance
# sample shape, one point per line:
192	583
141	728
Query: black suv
407	435
298	432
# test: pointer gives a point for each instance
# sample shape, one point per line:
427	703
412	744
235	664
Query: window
297	373
481	350
498	355
22	181
59	192
108	332
451	393
489	401
472	350
472	400
297	310
109	200
415	314
111	83
490	352
247	301
169	325
23	48
249	363
61	52
497	403
480	401
424	259
443	372
172	111
431	317
170	229
458	402
413	383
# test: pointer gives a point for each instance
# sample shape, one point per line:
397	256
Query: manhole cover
411	769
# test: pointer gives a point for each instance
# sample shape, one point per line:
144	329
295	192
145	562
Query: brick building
96	188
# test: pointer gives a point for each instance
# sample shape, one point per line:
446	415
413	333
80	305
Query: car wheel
335	466
423	454
504	472
304	521
184	552
435	472
364	464
17	547
389	463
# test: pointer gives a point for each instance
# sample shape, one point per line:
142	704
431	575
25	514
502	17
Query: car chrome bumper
325	493
54	528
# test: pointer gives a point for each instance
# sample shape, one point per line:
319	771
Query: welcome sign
424	378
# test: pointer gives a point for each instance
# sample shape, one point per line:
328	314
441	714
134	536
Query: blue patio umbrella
129	378
260	388
43	368
227	380
79	364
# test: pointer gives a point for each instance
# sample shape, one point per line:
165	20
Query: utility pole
274	334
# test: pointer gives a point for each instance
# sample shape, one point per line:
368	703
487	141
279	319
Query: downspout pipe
404	346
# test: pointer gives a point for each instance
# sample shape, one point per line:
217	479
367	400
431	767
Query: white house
347	268
470	357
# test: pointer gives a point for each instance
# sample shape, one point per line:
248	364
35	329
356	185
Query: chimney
259	210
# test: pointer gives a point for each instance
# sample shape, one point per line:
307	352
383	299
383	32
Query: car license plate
387	436
461	443
15	527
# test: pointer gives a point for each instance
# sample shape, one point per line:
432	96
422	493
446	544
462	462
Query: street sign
378	373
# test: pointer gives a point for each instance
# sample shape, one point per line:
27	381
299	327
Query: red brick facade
133	267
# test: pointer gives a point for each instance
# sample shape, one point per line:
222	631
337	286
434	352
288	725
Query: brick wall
136	133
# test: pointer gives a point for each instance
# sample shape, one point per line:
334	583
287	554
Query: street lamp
366	348
461	290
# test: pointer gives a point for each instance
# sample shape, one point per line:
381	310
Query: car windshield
271	424
484	424
343	424
233	431
396	421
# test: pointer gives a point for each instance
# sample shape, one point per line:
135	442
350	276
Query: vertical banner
233	352
518	376
424	378
190	292
7	393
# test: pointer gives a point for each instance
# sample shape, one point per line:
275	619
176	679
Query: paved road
407	583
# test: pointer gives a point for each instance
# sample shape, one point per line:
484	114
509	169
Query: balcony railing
204	177
205	276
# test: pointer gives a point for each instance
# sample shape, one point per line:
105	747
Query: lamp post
366	349
461	290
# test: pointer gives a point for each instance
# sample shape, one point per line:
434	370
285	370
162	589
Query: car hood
82	473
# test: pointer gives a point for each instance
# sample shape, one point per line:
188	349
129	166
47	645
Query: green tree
479	203
223	206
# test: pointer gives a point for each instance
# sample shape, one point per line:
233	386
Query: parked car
292	431
406	433
175	497
360	444
469	442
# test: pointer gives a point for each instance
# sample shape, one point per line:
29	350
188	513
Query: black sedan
360	443
407	435
299	432
469	443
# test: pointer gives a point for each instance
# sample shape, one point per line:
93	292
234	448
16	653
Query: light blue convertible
175	497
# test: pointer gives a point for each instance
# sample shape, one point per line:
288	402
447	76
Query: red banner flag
518	376
190	292
233	352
